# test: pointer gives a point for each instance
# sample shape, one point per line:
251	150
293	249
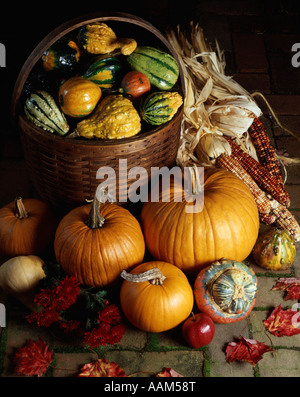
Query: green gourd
160	67
105	72
40	108
160	107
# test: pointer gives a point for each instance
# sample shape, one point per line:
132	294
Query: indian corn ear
261	176
264	148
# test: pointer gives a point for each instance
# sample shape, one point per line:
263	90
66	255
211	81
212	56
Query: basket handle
73	24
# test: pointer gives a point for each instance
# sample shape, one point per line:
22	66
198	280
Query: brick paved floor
256	37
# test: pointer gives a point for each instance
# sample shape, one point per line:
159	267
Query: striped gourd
160	107
160	67
41	109
104	72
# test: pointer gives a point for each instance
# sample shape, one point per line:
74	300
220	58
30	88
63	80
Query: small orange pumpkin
96	247
156	296
78	96
27	227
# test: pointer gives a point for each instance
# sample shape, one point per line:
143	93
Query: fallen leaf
101	368
289	284
33	359
283	322
169	373
246	350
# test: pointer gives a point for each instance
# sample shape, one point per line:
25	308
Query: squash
19	277
160	67
226	291
135	84
98	38
27	227
274	249
160	107
223	222
40	108
78	97
104	71
114	118
156	296
62	56
95	245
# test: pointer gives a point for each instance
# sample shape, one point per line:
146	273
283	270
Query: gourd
114	118
226	291
27	227
160	67
19	277
78	96
156	296
40	108
223	221
95	244
135	84
274	249
104	72
160	107
62	56
98	38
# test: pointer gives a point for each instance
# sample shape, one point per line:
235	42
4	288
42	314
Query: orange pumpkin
227	226
156	296
27	227
96	247
78	96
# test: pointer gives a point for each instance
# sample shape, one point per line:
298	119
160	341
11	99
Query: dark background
24	24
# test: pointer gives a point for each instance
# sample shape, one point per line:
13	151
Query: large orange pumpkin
27	227
156	296
96	247
227	226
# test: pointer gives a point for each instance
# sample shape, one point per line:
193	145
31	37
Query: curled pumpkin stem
154	276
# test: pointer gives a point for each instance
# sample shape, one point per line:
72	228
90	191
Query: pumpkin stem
21	212
95	220
154	276
196	183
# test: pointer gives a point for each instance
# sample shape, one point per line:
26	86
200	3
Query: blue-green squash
41	109
105	72
226	291
161	68
159	107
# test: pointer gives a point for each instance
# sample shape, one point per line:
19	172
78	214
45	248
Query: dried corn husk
215	104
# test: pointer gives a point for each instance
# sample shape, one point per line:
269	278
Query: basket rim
71	25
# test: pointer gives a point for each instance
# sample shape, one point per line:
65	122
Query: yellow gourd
98	38
114	118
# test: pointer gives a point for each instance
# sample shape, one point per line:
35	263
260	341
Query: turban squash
226	227
226	291
96	247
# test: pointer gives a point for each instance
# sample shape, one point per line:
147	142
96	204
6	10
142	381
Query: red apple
198	330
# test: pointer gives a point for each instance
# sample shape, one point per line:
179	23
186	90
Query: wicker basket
63	170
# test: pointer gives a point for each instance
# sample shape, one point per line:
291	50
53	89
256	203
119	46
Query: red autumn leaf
289	284
283	322
246	350
101	368
169	373
33	359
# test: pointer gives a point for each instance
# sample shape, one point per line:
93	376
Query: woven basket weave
64	170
